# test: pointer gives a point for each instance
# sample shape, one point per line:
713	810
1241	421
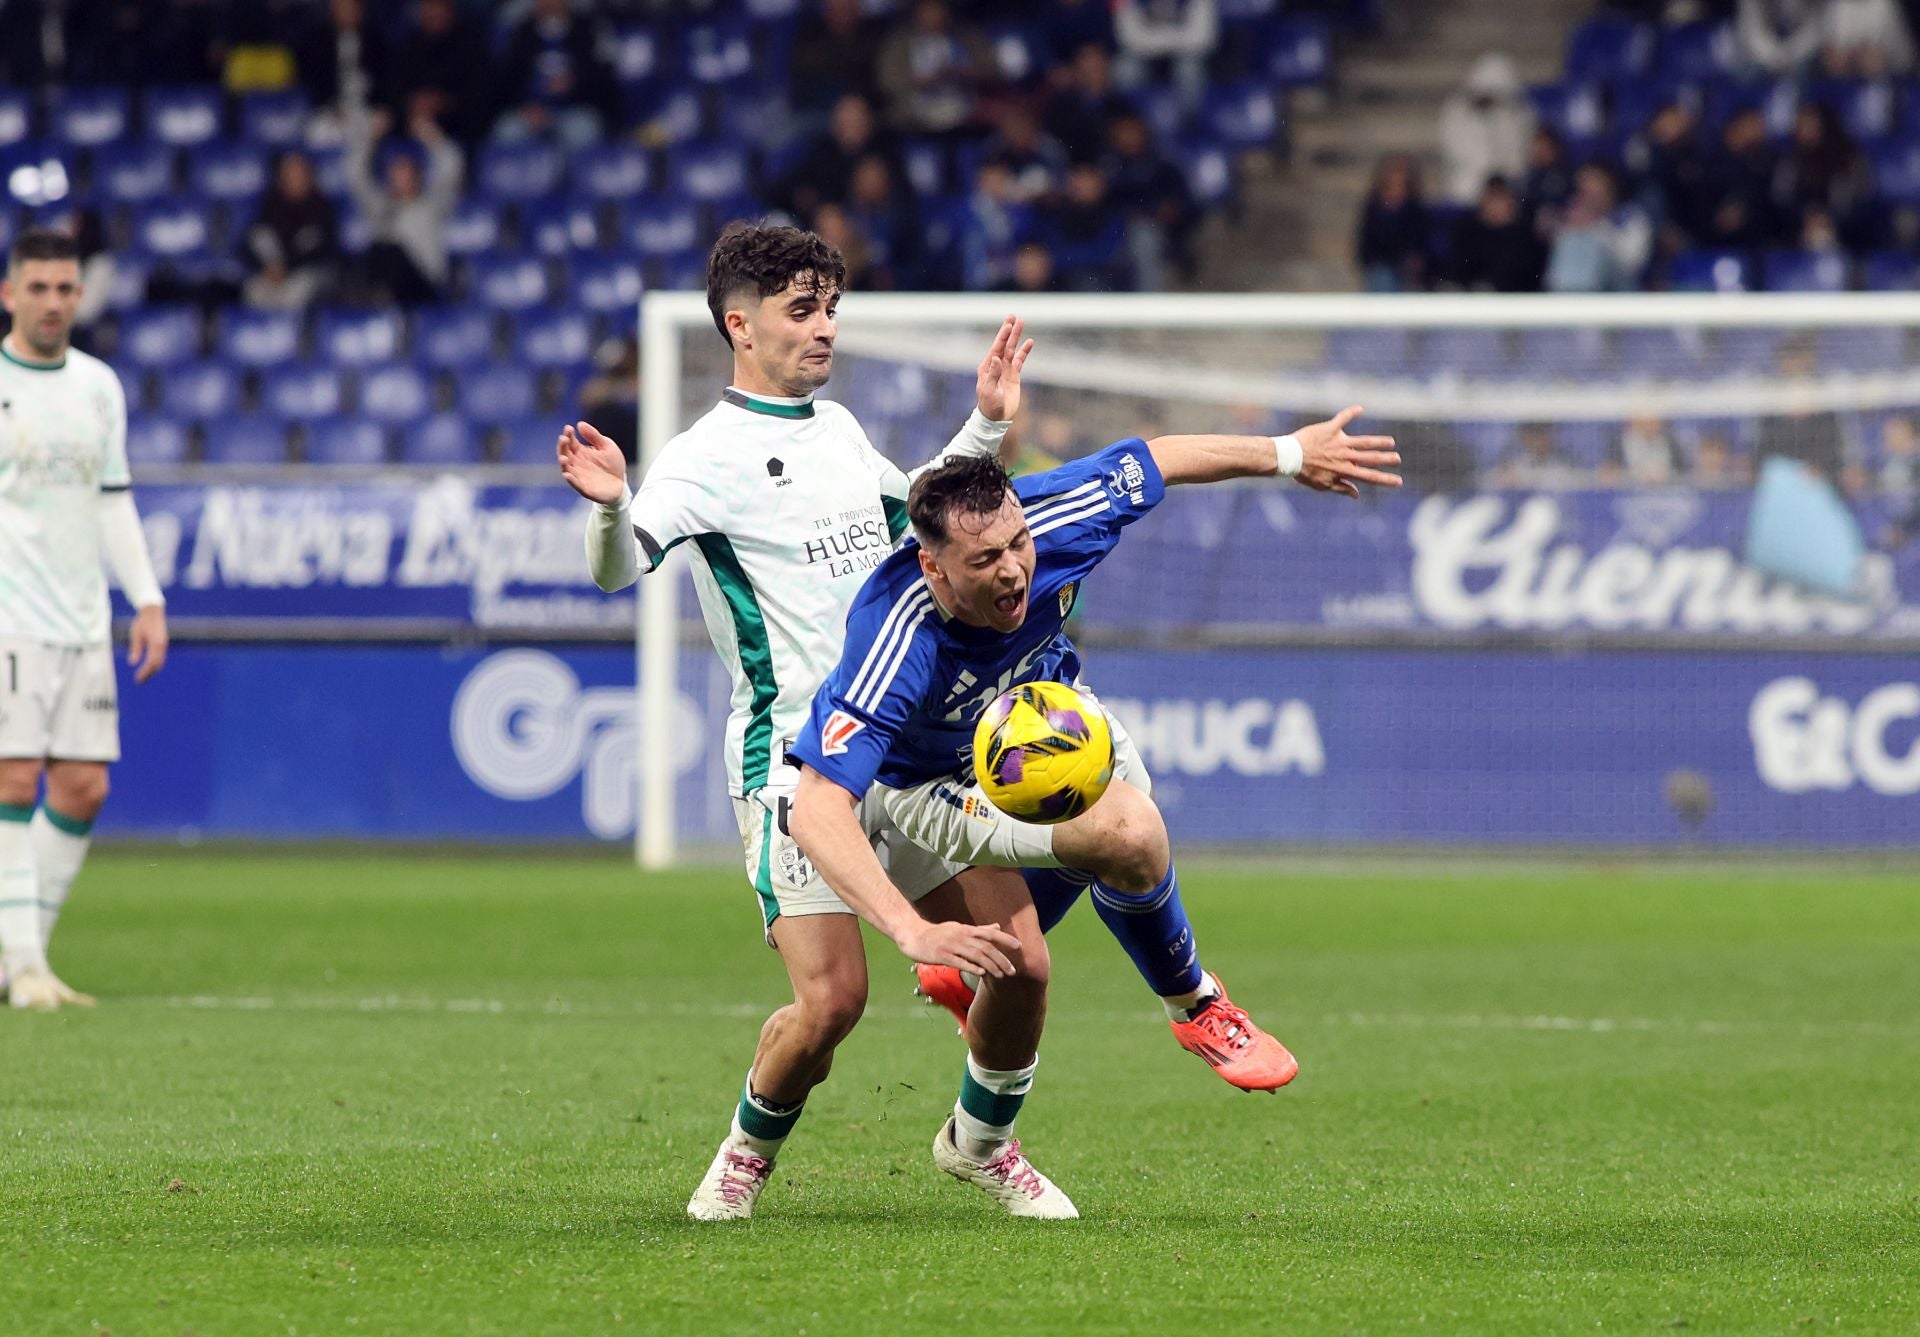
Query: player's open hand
981	948
998	384
147	642
1336	462
592	464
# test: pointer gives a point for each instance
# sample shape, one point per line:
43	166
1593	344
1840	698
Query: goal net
1654	580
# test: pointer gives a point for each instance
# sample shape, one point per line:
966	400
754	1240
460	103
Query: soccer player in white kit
65	514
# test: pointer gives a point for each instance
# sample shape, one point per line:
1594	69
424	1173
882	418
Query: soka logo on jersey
1803	741
838	731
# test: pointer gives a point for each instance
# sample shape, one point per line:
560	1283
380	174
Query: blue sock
1154	929
1054	892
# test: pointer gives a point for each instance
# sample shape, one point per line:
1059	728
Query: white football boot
1009	1179
43	991
732	1184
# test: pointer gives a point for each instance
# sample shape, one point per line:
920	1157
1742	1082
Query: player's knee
1132	846
827	1015
1032	966
19	783
78	794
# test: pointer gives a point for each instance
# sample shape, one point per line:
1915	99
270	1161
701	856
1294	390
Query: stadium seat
528	171
1705	49
607	284
1610	49
160	336
200	390
1659	353
183	117
556	337
156	441
637	53
709	170
1710	271
1240	116
228	172
252	438
38	176
772	12
1301	53
1864	348
452	336
1575	112
683	271
1866	107
133	172
173	229
274	120
258	338
560	226
1209	171
16	117
1580	354
473	228
357	338
677	117
1164	111
1896	173
9	225
1479	354
527	439
348	440
89	117
395	394
1804	271
508	282
490	393
300	392
1890	271
1018	52
1368	352
716	53
612	172
330	170
445	439
926	166
1584	441
1747	351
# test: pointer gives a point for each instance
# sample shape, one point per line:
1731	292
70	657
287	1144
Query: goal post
1582	478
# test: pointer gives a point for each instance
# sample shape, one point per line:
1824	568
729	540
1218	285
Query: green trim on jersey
21	362
756	656
654	559
763	880
896	510
740	399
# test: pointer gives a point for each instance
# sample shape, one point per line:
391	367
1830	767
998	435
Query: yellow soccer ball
1042	752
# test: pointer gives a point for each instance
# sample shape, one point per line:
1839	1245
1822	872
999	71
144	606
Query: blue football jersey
911	682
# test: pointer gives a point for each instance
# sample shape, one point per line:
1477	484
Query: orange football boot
946	986
1233	1046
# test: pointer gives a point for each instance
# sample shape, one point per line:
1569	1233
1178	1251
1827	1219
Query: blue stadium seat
445	439
300	392
1490	442
249	438
1776	101
330	170
1580	354
490	393
38	177
772	11
1890	271
1584	441
153	440
90	117
607	284
258	338
160	336
661	227
926	164
183	117
1241	115
344	439
682	271
1301	53
1896	172
1576	112
16	117
1368	352
127	281
1705	49
1753	352
612	172
554	337
452	336
1247	18
527	438
228	172
1867	107
1609	48
560	226
1209	171
1863	348
508	282
395	394
710	170
1019	54
638	54
133	173
9	225
357	338
716	53
1804	271
200	390
1475	353
274	120
1659	354
1711	271
528	171
676	117
173	229
473	228
1164	111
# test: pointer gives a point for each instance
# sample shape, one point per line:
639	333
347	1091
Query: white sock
1180	1006
21	946
59	847
974	1133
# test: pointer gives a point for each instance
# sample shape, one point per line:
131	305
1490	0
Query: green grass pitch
393	1094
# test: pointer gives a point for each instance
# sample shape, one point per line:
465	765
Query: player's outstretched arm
1321	456
594	467
823	824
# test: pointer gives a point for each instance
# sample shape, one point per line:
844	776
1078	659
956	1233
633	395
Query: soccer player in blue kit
976	605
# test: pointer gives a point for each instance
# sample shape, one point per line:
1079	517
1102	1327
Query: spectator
1493	248
293	247
610	398
1643	455
826	174
343	61
96	268
1736	194
1179	34
1676	173
1069	27
1549	180
1865	39
1716	464
886	215
838	229
995	223
1434	459
1812	436
46	42
1899	475
1823	169
1080	112
1033	270
928	70
1087	234
182	43
1484	128
441	70
1153	195
834	55
408	210
1034	159
1536	463
555	80
1602	245
1779	36
1395	231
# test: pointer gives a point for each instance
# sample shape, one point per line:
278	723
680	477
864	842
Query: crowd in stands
1708	145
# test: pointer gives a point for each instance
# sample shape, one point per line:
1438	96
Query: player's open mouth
1009	604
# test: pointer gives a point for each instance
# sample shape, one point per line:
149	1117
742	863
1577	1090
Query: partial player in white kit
66	514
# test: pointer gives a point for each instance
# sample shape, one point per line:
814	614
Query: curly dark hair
968	485
765	258
41	243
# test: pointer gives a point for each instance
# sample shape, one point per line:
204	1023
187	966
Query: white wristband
982	428
1288	454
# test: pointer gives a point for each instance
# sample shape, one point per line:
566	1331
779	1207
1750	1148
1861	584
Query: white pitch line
559	1007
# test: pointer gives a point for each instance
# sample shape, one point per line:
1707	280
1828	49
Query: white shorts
786	880
953	821
57	702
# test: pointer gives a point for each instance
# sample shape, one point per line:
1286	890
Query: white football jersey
63	442
784	506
